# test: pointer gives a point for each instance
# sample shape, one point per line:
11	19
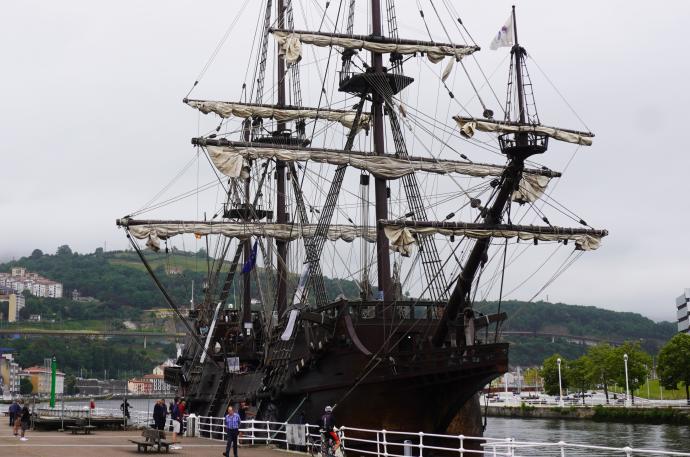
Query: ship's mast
517	52
247	283
381	184
516	152
281	213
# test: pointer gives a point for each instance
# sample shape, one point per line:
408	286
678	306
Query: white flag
504	37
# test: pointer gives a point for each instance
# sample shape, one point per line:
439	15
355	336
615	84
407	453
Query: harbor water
645	436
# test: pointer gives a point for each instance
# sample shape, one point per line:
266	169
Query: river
662	437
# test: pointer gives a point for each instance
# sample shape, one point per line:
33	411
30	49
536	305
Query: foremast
517	149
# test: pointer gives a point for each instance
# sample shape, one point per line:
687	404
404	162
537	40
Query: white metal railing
387	443
550	401
137	418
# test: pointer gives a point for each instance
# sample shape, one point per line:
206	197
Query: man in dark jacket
159	415
14	412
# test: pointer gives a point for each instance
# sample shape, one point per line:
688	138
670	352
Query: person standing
159	414
232	428
182	406
18	417
177	425
26	421
170	410
13	410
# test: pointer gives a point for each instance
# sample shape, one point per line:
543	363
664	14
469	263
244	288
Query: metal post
560	384
627	385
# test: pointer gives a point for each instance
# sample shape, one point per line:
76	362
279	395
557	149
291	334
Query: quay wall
642	415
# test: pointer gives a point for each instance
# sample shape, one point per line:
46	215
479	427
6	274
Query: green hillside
573	320
124	290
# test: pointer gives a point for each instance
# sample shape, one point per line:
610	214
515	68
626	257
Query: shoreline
636	415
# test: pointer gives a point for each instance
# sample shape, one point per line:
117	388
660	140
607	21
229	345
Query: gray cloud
93	125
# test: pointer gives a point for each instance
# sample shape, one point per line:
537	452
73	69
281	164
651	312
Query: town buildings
153	383
40	378
683	312
20	280
9	376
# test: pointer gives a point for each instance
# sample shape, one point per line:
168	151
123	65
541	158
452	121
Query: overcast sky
92	123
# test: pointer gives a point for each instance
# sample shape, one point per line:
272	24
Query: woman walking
26	422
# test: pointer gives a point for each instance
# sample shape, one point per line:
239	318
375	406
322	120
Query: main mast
281	213
380	184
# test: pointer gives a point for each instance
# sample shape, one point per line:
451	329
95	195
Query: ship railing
387	443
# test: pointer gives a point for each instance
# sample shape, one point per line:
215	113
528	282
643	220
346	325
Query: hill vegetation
123	291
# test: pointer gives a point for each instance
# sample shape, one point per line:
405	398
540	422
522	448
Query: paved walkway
107	443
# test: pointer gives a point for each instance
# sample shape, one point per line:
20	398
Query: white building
20	280
683	312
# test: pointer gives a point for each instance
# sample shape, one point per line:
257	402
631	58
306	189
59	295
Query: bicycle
317	447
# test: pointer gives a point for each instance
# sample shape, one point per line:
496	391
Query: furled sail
282	114
232	160
402	235
153	230
290	43
469	125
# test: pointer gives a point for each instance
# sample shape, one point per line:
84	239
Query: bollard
191	425
407	448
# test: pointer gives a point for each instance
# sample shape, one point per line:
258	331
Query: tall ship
370	189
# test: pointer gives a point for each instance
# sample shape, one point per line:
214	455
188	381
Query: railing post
268	432
462	445
253	429
562	446
385	444
628	451
342	437
421	444
511	447
378	445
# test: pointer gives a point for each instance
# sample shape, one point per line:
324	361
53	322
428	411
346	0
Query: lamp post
627	385
560	383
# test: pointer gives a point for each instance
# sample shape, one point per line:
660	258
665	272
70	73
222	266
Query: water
646	436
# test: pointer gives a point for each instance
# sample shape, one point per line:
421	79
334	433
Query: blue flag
249	264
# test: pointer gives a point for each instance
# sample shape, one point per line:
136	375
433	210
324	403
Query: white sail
291	46
244	110
468	126
402	237
154	231
232	161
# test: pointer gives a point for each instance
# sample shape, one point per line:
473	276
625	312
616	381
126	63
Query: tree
70	384
599	366
64	250
578	375
673	363
549	372
25	386
638	361
36	254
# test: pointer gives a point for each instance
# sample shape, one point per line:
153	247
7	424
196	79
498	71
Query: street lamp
627	385
560	384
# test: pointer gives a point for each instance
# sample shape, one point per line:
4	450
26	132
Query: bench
80	425
152	439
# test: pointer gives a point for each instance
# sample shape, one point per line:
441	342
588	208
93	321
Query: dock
108	443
